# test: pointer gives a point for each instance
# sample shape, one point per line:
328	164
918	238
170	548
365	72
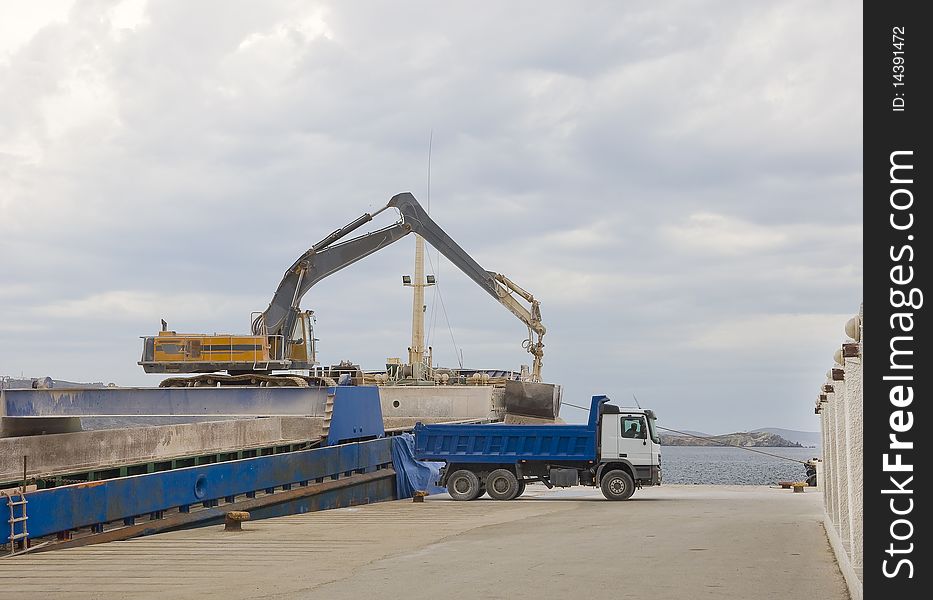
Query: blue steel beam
363	493
83	505
158	402
350	491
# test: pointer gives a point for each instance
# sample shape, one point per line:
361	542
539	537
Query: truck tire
464	485
521	488
617	485
502	484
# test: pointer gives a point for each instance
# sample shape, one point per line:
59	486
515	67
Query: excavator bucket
535	400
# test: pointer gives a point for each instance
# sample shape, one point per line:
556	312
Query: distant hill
804	438
748	439
688	431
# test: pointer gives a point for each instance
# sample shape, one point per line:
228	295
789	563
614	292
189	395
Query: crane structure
282	336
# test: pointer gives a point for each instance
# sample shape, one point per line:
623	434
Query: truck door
634	443
609	437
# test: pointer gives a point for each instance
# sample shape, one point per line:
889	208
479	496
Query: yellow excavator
282	337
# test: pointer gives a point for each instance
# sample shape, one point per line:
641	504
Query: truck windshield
653	430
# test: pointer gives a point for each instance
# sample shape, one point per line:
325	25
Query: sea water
724	465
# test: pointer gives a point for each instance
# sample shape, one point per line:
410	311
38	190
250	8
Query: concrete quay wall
63	453
839	405
76	451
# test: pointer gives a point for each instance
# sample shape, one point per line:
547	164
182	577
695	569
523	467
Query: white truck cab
629	435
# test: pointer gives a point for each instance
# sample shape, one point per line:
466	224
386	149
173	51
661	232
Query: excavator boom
321	260
286	326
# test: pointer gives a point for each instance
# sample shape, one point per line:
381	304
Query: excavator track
248	379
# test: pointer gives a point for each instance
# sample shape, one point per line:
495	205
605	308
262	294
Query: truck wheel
617	485
463	485
521	488
502	484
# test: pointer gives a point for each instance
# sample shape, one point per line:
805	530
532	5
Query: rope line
711	438
440	297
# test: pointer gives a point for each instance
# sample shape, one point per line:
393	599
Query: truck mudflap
656	475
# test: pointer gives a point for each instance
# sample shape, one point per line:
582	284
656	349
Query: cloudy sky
679	183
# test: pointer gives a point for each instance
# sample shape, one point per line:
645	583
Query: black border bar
896	169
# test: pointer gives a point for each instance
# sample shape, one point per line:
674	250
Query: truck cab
628	436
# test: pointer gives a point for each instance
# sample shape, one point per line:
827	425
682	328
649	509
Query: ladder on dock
13	504
328	416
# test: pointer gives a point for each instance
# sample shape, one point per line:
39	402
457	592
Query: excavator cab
300	347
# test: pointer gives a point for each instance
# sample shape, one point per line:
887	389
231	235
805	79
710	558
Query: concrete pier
26	412
839	405
63	453
671	542
167	402
60	454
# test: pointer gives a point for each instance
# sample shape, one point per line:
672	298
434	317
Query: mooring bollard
418	496
785	485
233	521
799	487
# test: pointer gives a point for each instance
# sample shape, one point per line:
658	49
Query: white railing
839	405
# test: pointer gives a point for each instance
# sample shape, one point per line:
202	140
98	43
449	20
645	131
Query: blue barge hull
95	504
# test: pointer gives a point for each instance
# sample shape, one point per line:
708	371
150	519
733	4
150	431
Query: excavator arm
328	256
498	286
322	259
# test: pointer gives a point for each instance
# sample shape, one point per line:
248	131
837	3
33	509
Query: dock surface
671	542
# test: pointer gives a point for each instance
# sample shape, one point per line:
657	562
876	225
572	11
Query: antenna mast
418	283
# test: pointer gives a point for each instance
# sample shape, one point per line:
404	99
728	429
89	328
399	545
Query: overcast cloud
678	182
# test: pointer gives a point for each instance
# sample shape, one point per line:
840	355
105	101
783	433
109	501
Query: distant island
748	439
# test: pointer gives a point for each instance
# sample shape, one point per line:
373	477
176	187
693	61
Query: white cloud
84	101
129	14
20	21
128	305
595	236
308	27
764	334
723	235
9	289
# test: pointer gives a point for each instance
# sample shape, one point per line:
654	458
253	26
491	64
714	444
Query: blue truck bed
498	442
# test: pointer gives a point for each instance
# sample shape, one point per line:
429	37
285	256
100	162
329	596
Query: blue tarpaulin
412	474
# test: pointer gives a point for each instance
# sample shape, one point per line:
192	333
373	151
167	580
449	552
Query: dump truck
618	450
